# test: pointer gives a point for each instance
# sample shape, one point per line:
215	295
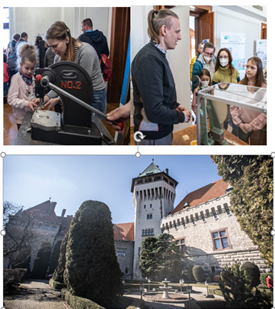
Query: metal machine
213	101
74	126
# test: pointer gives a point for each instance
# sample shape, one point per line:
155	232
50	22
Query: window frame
181	245
225	229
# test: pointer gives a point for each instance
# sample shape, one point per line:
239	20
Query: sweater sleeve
13	97
234	111
149	80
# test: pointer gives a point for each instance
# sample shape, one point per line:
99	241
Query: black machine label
70	85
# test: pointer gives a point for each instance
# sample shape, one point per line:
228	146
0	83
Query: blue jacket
197	67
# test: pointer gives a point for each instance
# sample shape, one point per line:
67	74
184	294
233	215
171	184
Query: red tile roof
124	231
202	195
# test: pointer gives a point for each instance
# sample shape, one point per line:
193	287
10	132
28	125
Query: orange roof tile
124	231
204	194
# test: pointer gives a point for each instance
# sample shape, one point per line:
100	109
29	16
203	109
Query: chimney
51	208
167	171
63	213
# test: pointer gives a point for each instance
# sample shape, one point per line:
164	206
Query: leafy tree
92	270
42	261
160	257
54	258
252	197
238	291
198	273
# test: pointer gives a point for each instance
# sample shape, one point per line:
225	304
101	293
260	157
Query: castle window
215	215
152	231
149	232
143	232
149	216
150	205
39	226
121	252
146	232
139	250
47	227
220	239
53	228
144	206
228	211
180	243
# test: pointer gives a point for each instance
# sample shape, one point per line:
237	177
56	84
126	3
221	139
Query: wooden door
263	31
204	28
118	51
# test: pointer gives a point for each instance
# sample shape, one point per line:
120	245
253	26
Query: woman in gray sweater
67	48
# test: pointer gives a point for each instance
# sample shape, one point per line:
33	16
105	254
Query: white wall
227	20
179	63
37	20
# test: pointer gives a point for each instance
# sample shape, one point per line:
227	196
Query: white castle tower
154	194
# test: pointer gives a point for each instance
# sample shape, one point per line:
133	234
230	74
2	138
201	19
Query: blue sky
71	180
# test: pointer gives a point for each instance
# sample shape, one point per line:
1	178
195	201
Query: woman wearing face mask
224	70
205	78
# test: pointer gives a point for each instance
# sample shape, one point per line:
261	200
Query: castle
205	230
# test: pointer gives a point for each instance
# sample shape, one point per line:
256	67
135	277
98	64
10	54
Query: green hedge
77	302
56	285
215	292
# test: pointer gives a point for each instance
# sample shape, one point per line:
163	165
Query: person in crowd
11	54
248	123
206	60
269	283
59	38
22	89
23	38
5	78
49	57
156	109
200	50
205	78
36	44
225	72
224	69
95	38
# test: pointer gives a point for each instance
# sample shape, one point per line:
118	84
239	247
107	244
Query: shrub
92	270
42	261
251	273
217	278
208	279
264	276
237	291
54	257
198	273
59	270
190	273
13	277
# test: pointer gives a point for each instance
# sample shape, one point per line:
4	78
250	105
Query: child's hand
32	104
36	101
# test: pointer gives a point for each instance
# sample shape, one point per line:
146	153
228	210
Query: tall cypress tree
42	261
252	197
92	270
59	270
54	257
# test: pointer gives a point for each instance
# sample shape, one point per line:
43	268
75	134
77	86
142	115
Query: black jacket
154	91
97	39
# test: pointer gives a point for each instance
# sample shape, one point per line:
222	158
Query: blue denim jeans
5	90
100	100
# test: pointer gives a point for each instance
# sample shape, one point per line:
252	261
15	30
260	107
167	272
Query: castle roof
202	195
150	170
124	231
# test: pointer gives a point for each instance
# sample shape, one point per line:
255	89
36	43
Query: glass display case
237	110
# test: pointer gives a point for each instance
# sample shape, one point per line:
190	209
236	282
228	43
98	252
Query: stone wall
196	226
127	260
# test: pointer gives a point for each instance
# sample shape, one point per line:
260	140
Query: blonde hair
156	19
26	51
60	31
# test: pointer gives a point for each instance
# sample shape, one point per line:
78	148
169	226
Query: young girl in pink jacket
251	124
21	93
